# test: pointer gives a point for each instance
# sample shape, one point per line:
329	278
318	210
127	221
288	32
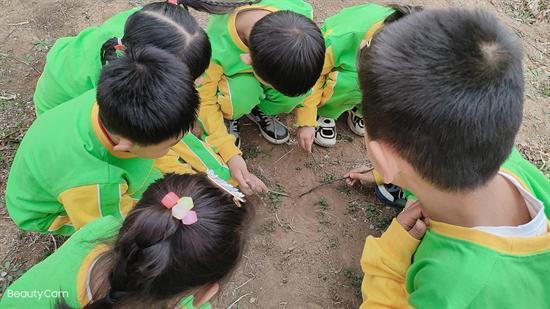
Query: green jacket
66	174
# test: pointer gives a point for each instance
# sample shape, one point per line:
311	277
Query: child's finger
243	184
418	230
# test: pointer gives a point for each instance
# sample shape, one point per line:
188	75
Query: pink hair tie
180	207
174	2
119	45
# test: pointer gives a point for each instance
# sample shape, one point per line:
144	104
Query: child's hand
362	174
413	219
305	136
248	183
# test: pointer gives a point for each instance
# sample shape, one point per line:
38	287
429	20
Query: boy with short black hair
265	58
443	101
83	160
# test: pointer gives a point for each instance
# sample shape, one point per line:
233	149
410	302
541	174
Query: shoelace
269	119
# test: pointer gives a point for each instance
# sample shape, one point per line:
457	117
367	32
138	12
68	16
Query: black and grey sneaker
391	195
234	128
356	122
272	129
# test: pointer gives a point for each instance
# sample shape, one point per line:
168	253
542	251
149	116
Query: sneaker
325	134
272	129
391	195
355	122
234	128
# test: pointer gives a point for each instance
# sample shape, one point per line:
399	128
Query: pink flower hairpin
181	208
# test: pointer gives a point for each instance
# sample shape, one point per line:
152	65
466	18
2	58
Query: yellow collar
103	138
233	27
84	273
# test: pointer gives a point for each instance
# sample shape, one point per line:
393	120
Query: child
265	58
337	90
74	64
84	160
443	100
159	256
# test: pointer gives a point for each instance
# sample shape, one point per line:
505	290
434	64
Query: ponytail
214	7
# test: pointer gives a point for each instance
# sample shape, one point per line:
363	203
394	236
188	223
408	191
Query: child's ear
246	59
383	158
124	145
205	294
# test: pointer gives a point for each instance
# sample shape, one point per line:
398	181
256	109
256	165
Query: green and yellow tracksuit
229	89
66	174
73	66
459	267
337	90
65	273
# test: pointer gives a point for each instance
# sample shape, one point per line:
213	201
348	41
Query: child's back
443	100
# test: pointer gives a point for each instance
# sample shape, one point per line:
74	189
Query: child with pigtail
185	235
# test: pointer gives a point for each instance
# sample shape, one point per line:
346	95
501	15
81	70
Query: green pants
240	93
341	93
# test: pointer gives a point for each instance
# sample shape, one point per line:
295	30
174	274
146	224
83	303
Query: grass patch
327	177
354	280
10	270
42	45
344	189
322	203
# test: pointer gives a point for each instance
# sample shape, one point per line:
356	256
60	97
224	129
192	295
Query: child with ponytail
185	235
74	64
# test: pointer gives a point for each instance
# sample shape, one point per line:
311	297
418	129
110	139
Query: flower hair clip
238	196
174	2
181	208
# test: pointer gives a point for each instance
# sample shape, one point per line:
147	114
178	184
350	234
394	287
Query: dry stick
286	154
238	299
279	193
321	185
19	24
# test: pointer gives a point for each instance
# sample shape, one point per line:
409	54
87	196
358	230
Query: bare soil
304	252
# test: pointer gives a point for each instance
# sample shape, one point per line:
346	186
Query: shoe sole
266	136
324	145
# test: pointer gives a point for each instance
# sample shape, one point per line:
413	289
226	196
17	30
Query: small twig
286	154
19	24
285	225
54	242
279	193
247	281
238	299
321	185
8	96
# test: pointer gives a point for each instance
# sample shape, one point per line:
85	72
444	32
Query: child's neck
246	20
499	203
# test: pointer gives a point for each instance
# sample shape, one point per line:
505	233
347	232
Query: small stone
253	300
285	280
371	227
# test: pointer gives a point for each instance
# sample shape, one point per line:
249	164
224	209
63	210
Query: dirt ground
304	252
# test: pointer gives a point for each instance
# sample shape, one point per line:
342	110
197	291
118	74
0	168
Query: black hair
287	51
172	28
445	89
147	96
156	258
